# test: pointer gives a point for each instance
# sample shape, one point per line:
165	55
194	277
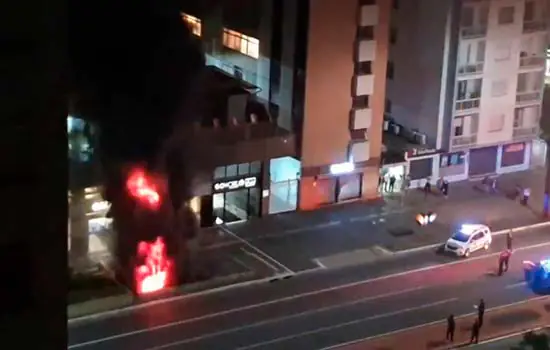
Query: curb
94	306
496	233
502	337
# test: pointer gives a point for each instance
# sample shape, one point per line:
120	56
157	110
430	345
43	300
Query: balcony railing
464	141
472	68
534	26
525	133
473	32
471	103
532	61
533	96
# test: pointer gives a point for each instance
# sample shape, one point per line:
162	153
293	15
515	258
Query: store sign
247	182
515	147
513	154
419	152
100	206
342	168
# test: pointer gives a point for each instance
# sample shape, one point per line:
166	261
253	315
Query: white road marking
345	324
402	330
262	260
224	313
516	285
320	264
296	296
241	263
257	250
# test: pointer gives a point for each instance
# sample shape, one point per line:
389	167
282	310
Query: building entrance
236	205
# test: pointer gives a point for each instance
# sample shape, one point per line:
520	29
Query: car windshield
461	237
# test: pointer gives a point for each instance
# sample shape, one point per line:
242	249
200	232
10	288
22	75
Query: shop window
255	167
231	170
195	25
244	169
242	43
349	187
219	172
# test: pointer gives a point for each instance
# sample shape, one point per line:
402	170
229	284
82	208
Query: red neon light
143	188
157	270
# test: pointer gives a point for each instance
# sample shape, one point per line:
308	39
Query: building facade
319	68
479	80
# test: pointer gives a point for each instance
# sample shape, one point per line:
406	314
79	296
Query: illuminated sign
421	152
516	147
342	168
247	182
100	206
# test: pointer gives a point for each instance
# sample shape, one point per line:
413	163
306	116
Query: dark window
393	35
231	170
396	4
421	168
390	70
365	33
367	2
255	167
360	102
244	169
388	107
363	68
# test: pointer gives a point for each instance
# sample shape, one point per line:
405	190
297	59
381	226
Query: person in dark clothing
475	332
480	312
392	183
450	328
427	188
445	188
503	261
509	241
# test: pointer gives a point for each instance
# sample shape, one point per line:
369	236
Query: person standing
526	195
450	328
475	332
509	240
392	183
480	312
381	183
427	188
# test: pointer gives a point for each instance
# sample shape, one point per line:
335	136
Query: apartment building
479	72
319	68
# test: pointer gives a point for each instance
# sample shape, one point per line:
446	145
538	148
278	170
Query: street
315	311
533	341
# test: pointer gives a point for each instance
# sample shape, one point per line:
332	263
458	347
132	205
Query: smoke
135	69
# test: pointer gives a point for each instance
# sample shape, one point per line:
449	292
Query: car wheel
486	246
467	253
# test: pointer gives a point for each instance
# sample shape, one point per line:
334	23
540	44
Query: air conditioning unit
396	129
386	125
421	138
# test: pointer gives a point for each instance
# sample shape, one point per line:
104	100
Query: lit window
194	24
243	43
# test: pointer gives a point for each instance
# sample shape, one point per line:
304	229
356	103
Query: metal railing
532	96
473	32
462	141
471	68
529	132
534	26
532	61
463	105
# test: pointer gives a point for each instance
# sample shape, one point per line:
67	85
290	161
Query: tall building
468	78
319	70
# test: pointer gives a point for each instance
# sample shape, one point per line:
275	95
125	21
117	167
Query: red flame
156	272
143	188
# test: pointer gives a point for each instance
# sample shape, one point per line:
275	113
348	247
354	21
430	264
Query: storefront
422	164
483	161
453	166
236	193
342	184
514	157
398	171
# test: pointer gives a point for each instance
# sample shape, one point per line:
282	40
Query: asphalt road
317	310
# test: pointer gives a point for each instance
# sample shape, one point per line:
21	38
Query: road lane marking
345	324
320	264
235	329
428	324
516	285
307	294
262	260
256	249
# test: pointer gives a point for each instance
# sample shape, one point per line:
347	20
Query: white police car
468	239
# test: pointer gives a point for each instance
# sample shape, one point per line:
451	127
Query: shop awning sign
421	152
247	182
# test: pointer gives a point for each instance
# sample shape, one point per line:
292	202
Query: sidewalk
498	322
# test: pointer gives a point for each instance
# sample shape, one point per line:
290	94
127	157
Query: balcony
473	32
469	69
528	97
534	26
463	141
532	61
467	104
524	133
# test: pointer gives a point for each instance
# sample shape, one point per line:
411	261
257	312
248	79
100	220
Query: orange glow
156	272
143	188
